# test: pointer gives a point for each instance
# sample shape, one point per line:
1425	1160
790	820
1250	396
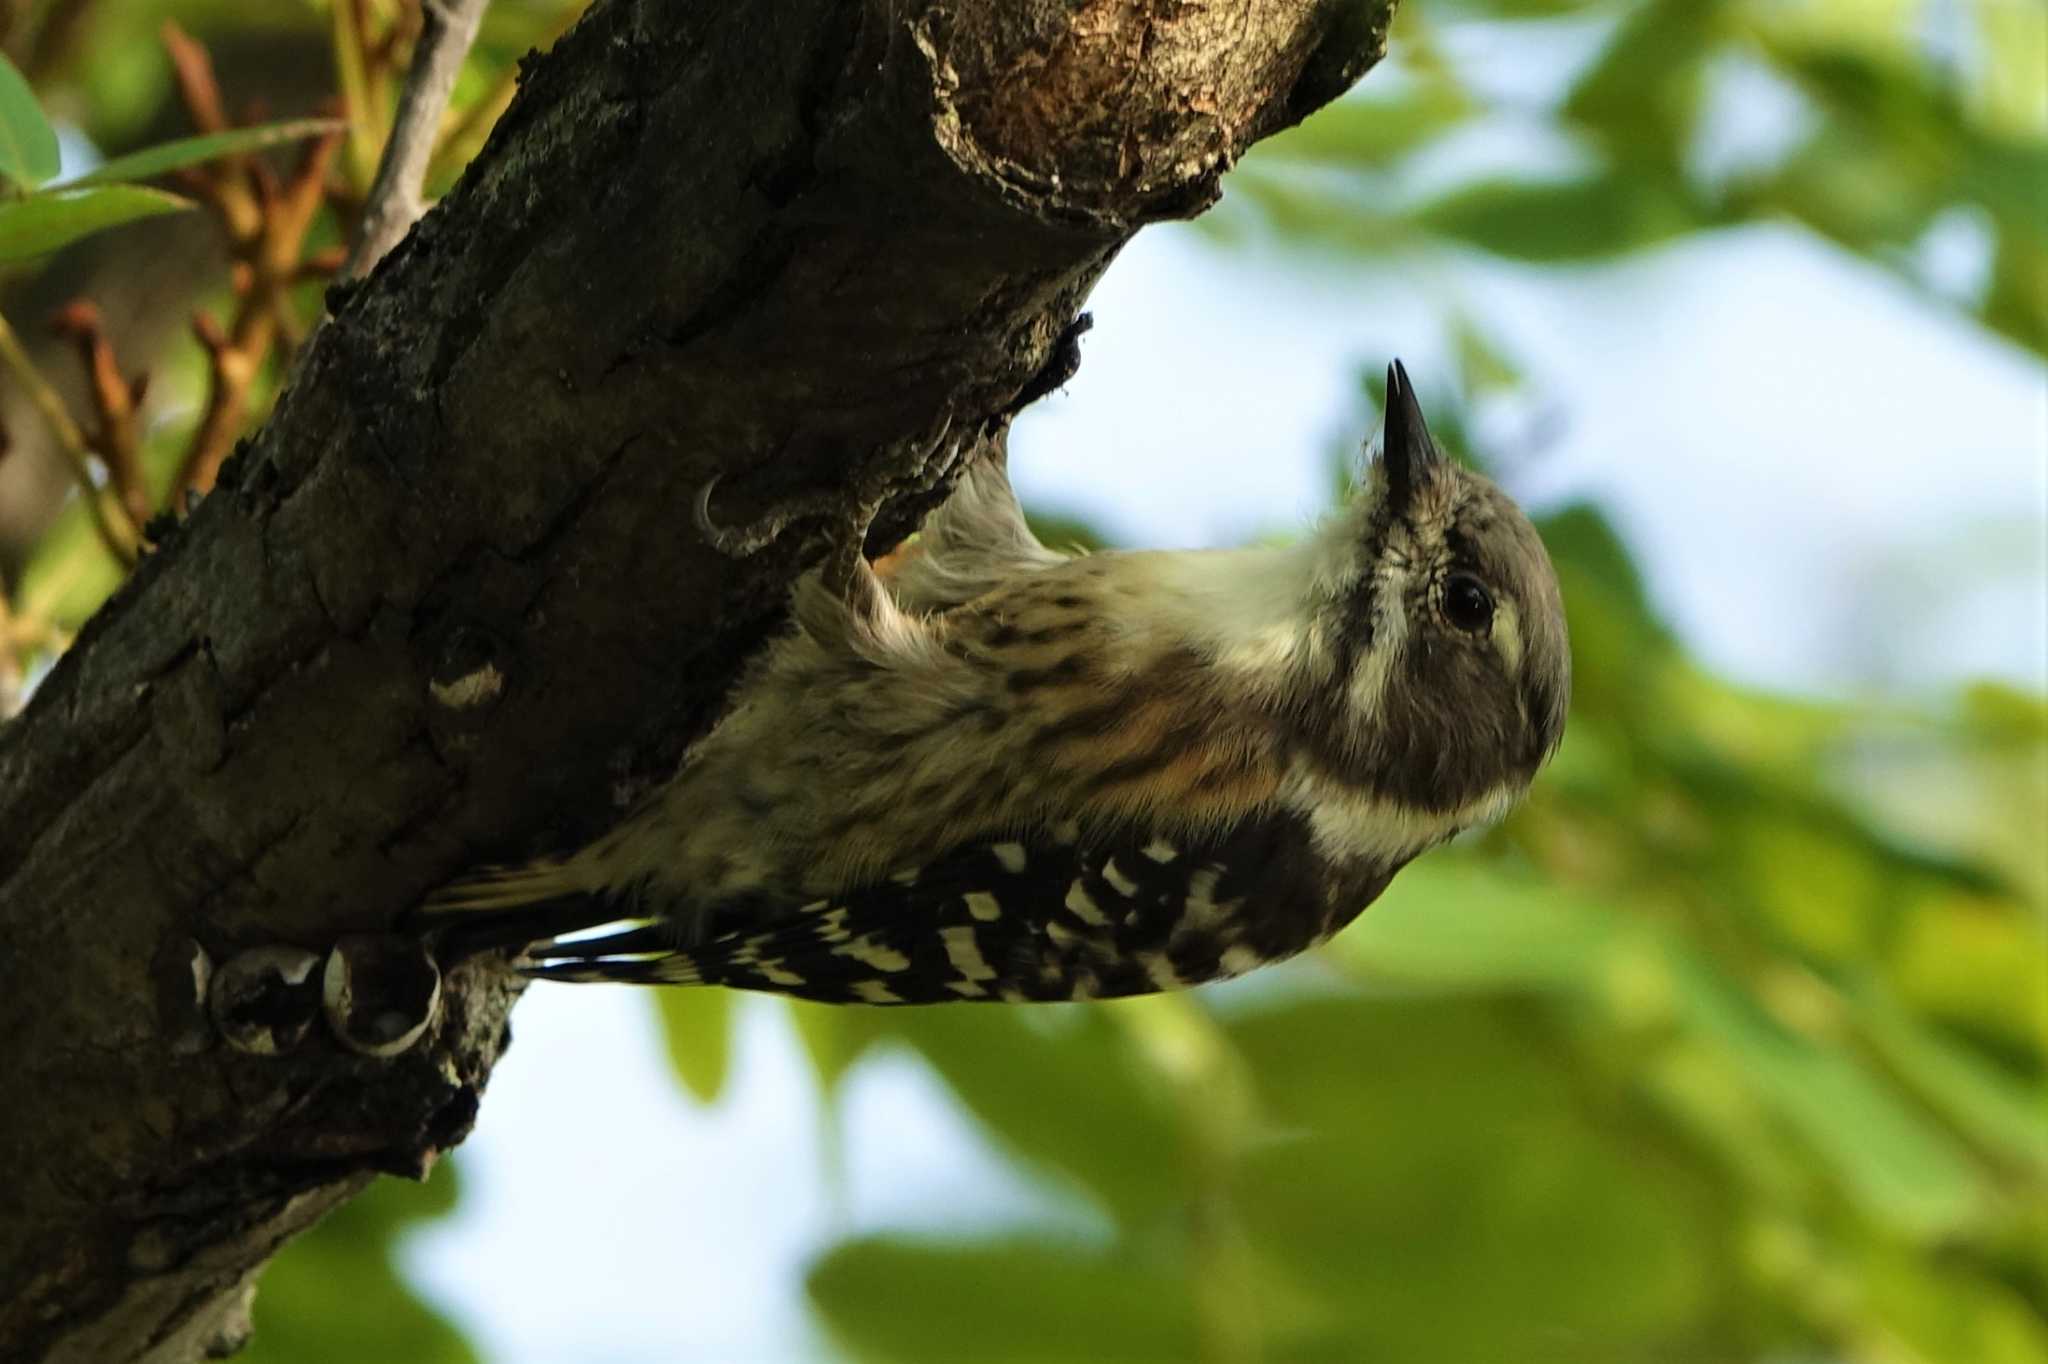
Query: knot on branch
1097	105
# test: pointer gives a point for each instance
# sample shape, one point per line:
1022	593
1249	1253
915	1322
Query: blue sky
1831	485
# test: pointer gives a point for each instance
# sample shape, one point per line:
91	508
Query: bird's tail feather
654	970
501	888
515	907
642	952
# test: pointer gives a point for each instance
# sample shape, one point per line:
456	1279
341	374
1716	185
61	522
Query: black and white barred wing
1012	920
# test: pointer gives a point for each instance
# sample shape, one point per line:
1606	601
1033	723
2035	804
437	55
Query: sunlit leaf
1483	365
1558	220
1861	194
1305	209
1110	1133
696	1024
1616	633
1901	1169
1459	924
2009	97
2017	303
834	1037
1507	9
1713	1103
1643	94
334	1296
191	151
1066	531
1944	1315
1510	1208
1369	131
28	145
1823	895
1993	1108
43	222
1976	962
1003	1301
2004	714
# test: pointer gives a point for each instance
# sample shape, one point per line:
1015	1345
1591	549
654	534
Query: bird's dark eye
1467	604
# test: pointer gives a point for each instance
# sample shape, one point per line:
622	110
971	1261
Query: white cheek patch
1244	607
1348	825
1389	637
1507	636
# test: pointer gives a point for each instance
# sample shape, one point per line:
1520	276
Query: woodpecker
1011	774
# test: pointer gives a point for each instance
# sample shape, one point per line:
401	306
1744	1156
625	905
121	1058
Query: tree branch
770	243
396	199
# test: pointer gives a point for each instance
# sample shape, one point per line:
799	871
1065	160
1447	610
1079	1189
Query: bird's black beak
1411	457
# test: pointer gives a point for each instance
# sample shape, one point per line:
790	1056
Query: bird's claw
745	541
855	510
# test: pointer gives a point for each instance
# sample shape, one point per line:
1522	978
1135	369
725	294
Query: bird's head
1447	627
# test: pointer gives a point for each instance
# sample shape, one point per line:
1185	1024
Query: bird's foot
849	512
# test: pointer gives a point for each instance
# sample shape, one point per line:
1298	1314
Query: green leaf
334	1296
1369	132
1863	193
1114	1133
1064	530
28	145
1617	639
897	1300
1560	220
1458	924
696	1023
190	151
43	222
1991	1107
1641	98
1939	1314
834	1036
1483	364
1331	213
1900	1168
1441	1176
1512	9
1974	962
2017	304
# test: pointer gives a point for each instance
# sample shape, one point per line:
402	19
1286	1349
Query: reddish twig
197	85
321	264
265	218
116	404
265	269
223	183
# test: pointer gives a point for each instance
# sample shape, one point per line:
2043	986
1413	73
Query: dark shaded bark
448	606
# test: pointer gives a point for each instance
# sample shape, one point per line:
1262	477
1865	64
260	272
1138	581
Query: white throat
1252	610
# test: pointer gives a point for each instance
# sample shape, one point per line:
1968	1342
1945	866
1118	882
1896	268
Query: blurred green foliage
1872	123
1704	1054
336	1296
1732	1043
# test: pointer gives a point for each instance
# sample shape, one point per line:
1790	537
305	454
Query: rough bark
448	606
